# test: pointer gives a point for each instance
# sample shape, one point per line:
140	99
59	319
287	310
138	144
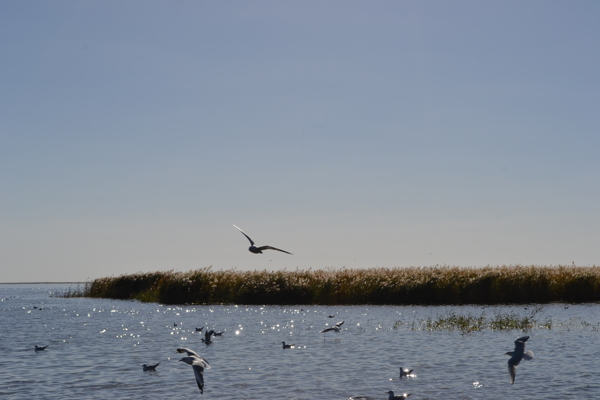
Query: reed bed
73	292
439	285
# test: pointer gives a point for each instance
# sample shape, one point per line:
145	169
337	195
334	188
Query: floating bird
199	329
150	367
258	250
405	371
402	396
218	333
40	348
198	364
287	346
175	324
335	328
331	316
517	355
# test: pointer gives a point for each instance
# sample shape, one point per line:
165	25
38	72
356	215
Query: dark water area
97	348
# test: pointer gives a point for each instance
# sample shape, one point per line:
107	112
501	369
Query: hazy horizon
133	135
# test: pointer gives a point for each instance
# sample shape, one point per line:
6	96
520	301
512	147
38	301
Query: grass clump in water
385	286
468	323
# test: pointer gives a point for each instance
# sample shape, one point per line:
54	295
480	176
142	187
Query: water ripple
97	347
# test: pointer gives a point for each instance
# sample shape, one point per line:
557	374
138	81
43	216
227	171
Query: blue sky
133	134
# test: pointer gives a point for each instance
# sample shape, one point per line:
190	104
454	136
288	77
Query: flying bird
287	346
402	396
405	371
190	353
207	336
198	364
258	250
517	355
335	328
150	367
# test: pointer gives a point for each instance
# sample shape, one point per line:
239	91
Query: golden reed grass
417	285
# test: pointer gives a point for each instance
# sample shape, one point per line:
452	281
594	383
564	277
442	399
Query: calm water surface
97	348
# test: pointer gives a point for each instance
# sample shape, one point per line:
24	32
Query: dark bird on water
405	371
517	355
287	346
40	348
258	250
150	367
397	397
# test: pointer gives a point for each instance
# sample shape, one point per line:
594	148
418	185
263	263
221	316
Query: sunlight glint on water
97	348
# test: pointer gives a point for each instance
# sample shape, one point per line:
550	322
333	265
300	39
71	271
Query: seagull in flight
517	355
335	328
198	363
207	336
150	367
258	250
405	371
402	396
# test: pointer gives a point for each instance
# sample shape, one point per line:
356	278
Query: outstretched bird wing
188	351
512	370
198	370
520	344
251	242
272	248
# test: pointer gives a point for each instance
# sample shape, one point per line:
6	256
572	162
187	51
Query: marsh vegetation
498	320
382	286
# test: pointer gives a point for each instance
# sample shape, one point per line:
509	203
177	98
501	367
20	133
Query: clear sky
133	134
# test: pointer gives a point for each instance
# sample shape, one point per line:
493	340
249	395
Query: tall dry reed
427	286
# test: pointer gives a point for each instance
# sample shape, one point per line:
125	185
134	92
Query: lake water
97	348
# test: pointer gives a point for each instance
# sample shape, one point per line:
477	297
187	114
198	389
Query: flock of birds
516	355
199	364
